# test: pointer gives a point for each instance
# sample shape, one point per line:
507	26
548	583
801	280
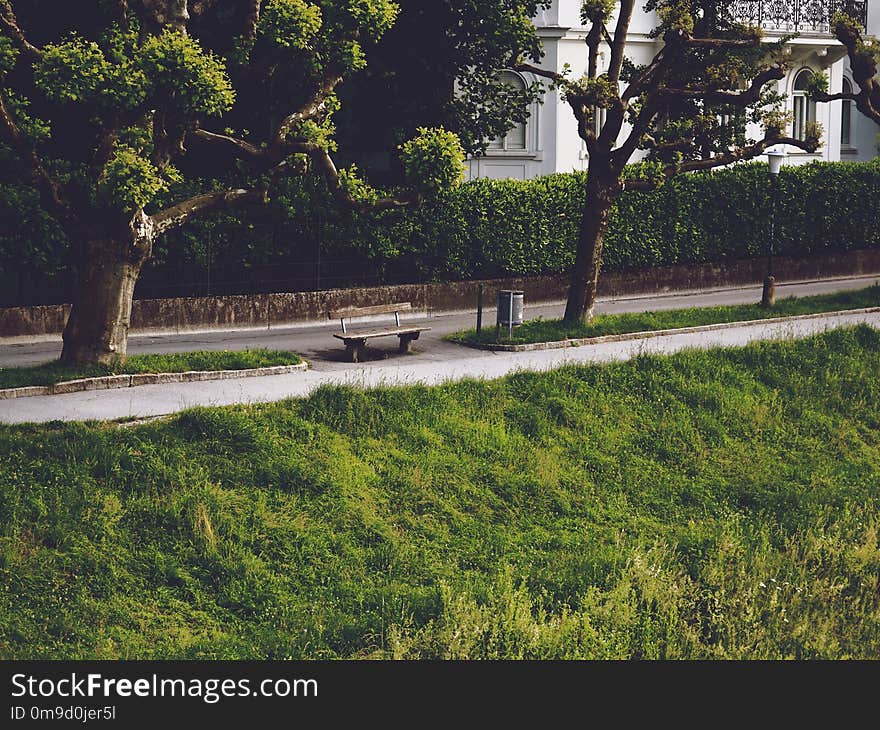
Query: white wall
554	144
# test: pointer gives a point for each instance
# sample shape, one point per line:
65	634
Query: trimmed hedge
491	228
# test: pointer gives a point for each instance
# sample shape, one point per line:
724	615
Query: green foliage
458	45
78	72
177	68
290	23
372	17
8	56
352	184
170	68
721	504
34	128
817	83
597	11
775	121
130	180
320	132
433	160
676	16
489	228
590	92
813	133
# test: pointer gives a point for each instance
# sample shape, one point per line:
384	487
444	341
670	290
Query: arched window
846	116
515	139
804	107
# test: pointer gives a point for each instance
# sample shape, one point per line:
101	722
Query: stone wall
275	310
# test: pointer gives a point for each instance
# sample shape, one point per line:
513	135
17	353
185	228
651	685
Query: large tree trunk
97	329
601	192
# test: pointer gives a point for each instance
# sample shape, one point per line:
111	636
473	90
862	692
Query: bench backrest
343	314
350	312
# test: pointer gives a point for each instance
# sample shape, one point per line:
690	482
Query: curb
109	382
579	342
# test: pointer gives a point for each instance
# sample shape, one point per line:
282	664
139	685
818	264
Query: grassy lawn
540	330
720	504
179	362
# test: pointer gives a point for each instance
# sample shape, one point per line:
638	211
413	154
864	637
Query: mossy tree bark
97	328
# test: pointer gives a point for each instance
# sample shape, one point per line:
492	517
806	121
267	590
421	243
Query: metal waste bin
510	310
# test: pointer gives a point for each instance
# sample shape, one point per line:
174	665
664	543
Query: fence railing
797	16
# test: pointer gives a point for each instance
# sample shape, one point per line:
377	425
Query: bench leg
353	349
406	341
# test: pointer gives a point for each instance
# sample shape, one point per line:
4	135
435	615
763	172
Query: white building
548	142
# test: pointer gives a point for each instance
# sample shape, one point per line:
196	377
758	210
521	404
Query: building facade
548	142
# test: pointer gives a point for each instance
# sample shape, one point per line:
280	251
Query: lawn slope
720	504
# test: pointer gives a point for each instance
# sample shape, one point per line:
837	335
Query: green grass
540	330
179	362
720	504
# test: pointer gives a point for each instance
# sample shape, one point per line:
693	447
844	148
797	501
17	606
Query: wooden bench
356	340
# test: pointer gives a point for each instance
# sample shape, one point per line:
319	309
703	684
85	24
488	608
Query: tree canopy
686	108
439	65
115	110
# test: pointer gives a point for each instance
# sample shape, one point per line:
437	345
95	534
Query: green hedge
493	227
489	228
496	227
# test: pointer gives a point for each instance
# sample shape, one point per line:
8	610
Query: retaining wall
275	310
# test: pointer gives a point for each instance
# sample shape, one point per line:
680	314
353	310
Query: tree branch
314	108
721	96
47	186
743	153
822	96
238	147
864	70
542	72
326	167
252	19
646	76
721	42
157	14
177	215
594	37
121	9
618	47
10	27
737	155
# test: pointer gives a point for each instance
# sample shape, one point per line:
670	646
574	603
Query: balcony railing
797	16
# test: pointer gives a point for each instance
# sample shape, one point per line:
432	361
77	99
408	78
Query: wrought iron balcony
797	16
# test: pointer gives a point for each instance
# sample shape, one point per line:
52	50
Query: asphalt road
315	343
433	362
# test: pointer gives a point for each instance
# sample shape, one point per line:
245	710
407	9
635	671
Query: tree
113	108
439	65
863	60
678	107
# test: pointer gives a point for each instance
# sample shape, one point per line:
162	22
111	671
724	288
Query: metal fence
797	16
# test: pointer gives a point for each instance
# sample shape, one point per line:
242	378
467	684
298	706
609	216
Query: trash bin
510	308
510	311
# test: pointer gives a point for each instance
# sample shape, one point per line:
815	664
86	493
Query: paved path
324	353
154	400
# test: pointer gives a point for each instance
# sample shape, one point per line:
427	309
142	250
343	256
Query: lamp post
775	158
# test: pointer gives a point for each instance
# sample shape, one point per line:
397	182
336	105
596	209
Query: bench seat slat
365	334
367	311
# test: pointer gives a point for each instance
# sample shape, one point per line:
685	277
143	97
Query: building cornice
552	31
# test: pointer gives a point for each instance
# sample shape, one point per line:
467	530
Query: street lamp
775	157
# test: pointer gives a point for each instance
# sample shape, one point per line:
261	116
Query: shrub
493	228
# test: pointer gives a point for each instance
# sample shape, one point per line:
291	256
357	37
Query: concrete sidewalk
314	342
457	363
